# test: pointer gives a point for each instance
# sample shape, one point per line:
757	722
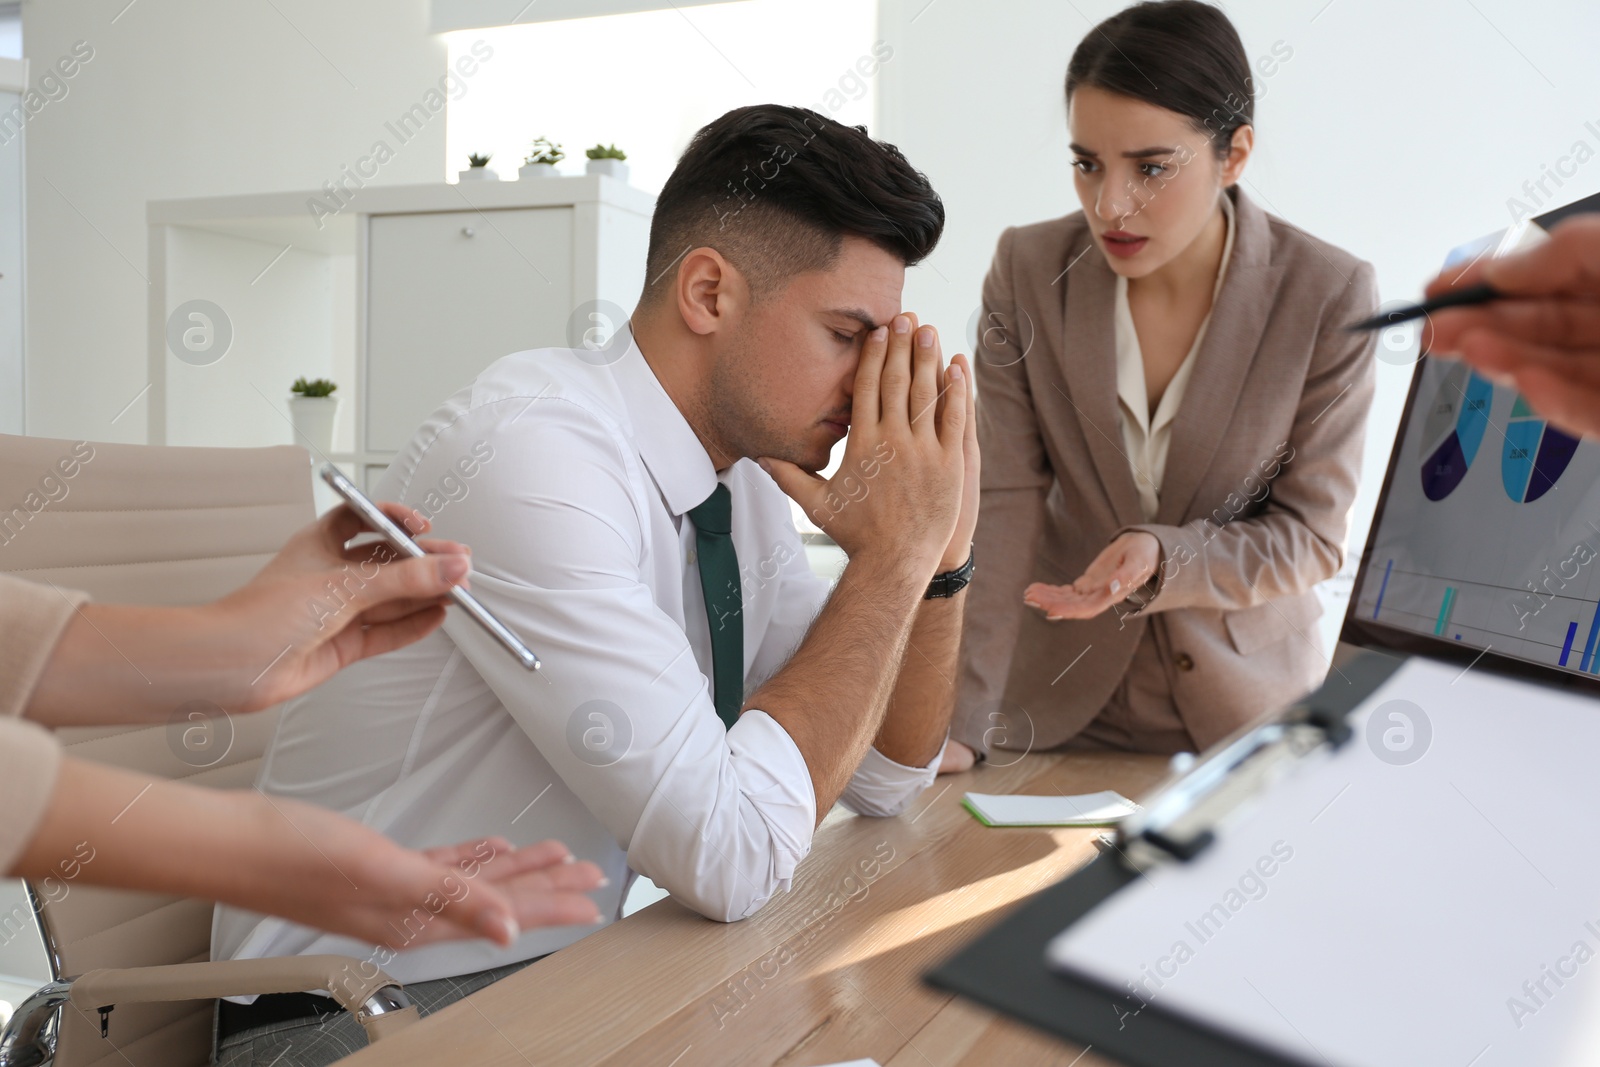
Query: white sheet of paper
1386	914
1086	809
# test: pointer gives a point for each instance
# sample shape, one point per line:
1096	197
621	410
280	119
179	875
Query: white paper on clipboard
1384	913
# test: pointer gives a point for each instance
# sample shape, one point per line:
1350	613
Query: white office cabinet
401	296
449	293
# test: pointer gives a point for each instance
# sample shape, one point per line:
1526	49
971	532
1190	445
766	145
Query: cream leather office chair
155	525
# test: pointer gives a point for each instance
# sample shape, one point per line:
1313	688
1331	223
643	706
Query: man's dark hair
1181	55
775	189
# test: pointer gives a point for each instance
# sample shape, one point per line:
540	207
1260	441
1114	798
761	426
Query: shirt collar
673	454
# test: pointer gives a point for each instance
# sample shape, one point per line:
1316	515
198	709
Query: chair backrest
146	525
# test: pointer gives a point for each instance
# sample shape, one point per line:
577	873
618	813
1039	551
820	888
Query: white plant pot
313	418
536	170
615	168
478	174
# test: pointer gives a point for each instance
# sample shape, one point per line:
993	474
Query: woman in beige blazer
1171	415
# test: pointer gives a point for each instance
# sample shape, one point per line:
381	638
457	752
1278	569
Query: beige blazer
1255	500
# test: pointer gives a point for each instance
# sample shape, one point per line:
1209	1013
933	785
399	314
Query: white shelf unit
401	298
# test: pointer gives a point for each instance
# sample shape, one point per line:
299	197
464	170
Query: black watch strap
950	583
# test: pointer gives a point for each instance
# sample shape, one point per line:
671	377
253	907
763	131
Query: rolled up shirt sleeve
32	618
621	710
883	788
728	848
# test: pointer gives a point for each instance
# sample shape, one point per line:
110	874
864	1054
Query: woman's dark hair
775	189
1181	55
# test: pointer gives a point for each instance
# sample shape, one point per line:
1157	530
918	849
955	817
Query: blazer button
1184	661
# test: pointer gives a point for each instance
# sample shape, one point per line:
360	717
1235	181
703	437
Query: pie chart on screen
1535	455
1454	429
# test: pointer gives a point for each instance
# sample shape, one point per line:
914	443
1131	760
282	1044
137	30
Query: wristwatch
950	583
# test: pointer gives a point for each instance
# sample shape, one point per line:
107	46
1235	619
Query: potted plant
543	155
479	170
312	407
607	159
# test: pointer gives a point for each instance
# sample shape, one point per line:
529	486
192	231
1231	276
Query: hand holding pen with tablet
1529	320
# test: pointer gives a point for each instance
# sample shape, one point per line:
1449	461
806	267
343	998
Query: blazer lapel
1238	320
1089	364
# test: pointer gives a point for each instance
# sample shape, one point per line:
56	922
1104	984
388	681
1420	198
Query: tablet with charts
1486	542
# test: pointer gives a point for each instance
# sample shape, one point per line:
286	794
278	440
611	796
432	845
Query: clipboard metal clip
1179	821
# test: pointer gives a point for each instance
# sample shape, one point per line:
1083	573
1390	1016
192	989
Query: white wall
1396	130
187	98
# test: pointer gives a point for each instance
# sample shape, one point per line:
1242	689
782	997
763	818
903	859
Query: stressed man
705	699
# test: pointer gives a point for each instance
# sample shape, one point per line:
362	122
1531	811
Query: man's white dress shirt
1147	437
570	476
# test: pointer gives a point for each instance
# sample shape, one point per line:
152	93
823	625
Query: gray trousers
316	1042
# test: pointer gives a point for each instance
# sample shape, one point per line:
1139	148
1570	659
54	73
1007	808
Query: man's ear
710	290
1244	142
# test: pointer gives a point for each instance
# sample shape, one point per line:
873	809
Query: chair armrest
347	980
360	988
377	1001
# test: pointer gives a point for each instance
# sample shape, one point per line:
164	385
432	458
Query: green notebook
1087	809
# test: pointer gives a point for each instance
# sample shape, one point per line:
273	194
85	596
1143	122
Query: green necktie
719	580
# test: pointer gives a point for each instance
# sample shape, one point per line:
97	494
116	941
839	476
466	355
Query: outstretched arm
111	827
1295	538
314	609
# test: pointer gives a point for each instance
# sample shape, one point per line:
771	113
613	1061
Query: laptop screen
1486	541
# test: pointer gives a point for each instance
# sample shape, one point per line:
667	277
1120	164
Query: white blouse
1145	438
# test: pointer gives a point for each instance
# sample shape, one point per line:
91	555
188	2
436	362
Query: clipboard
1091	924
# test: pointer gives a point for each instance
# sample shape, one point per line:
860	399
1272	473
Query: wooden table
825	973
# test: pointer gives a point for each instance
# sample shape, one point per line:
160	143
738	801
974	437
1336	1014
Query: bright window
648	81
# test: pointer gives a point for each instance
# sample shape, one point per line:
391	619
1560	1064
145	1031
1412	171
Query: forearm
314	608
107	826
832	695
143	662
918	718
1244	563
